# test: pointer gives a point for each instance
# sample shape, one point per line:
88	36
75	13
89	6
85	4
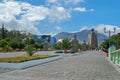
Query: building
43	38
92	39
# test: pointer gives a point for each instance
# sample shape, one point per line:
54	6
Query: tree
4	31
115	40
38	45
66	44
80	46
58	45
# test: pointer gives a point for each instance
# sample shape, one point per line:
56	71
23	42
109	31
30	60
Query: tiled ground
91	65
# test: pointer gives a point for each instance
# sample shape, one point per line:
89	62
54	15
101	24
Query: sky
49	17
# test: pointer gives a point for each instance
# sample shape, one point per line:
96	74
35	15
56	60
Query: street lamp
109	31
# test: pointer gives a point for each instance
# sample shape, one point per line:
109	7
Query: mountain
81	36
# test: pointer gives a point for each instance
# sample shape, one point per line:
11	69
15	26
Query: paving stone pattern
89	65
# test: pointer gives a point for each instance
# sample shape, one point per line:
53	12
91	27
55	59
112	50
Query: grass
19	59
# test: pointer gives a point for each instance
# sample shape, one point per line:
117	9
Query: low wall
104	53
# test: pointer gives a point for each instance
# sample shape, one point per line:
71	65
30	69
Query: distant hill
81	36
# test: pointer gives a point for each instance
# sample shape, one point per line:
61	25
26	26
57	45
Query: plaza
87	65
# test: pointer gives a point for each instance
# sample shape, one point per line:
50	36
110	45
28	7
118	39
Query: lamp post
109	32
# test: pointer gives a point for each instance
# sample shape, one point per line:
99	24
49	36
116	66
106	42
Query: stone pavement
89	65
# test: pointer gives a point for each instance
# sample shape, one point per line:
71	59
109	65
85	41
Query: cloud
73	1
82	9
52	1
84	28
35	13
58	28
23	16
100	29
58	14
64	2
49	33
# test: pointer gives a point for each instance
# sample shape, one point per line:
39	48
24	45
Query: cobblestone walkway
89	65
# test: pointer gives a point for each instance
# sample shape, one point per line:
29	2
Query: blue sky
53	16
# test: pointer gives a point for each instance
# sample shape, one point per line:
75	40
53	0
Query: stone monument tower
74	44
92	39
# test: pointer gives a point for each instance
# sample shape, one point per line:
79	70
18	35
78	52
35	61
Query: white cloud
84	28
73	1
58	28
50	33
100	29
81	9
52	1
58	14
65	2
36	13
23	16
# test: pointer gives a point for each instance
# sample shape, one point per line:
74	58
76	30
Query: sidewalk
91	65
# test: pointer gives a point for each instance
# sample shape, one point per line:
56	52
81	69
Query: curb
28	64
104	53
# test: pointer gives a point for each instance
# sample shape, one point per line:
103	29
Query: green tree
66	44
115	39
58	45
80	46
38	45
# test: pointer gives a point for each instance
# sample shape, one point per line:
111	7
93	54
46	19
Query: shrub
3	43
14	44
30	50
1	49
38	46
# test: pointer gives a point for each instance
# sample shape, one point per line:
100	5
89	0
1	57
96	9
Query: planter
27	64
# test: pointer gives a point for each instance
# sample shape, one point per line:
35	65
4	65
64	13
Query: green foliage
12	40
115	39
66	44
29	41
80	46
57	45
3	43
7	48
38	45
30	49
1	49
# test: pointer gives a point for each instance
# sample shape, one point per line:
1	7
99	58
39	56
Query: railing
115	56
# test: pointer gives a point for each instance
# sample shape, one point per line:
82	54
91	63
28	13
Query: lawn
19	59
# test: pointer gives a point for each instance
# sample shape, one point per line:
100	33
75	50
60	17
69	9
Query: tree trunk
65	50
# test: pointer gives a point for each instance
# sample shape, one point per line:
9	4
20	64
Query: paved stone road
89	66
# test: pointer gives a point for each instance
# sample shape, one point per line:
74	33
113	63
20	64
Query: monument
46	45
92	39
74	44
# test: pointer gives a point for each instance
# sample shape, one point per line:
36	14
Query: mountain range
81	36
